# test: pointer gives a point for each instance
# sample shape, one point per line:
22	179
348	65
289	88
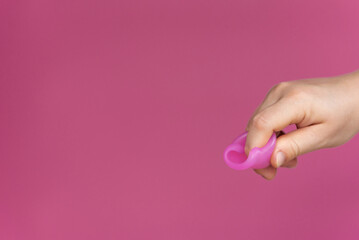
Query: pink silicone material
235	157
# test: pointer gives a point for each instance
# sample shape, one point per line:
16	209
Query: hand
325	111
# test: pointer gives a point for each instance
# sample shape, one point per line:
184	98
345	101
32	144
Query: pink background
114	116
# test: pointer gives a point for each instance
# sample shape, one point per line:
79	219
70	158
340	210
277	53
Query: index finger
272	119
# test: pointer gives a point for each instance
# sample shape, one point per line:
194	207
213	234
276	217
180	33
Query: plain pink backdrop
114	116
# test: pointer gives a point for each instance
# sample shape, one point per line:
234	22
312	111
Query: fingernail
280	158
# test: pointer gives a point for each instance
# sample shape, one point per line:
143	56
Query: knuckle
260	122
294	148
280	87
297	93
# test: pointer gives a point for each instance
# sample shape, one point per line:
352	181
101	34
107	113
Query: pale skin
325	111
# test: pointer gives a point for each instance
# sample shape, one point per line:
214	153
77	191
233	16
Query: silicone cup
235	157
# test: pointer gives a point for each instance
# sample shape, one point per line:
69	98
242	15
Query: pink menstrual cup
235	157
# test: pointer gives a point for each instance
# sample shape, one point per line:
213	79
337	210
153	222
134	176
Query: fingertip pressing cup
235	157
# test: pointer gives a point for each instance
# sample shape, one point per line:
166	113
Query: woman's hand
325	111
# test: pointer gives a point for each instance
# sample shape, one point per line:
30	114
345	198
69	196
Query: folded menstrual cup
235	157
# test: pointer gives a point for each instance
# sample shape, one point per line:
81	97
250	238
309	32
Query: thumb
295	143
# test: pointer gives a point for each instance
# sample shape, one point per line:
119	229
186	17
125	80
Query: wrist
350	82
